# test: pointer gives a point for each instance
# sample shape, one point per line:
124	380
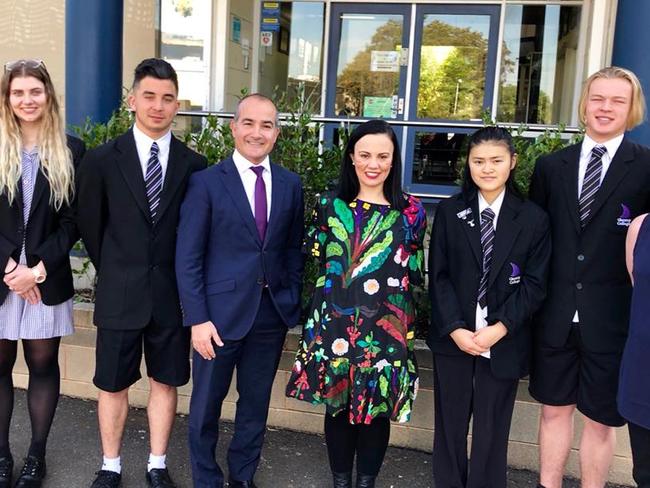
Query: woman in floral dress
356	354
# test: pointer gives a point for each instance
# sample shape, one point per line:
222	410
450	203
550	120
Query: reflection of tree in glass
508	109
452	72
356	81
524	101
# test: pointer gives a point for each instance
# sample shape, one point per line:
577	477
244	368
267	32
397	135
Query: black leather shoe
159	478
6	469
365	481
241	484
32	474
107	479
342	480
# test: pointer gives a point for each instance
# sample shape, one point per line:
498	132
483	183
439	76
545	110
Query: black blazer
49	235
134	257
588	270
516	284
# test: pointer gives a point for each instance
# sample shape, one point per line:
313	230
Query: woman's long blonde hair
55	157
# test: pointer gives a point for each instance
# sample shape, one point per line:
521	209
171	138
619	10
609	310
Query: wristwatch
38	276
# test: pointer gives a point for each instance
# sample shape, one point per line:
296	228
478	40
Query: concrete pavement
290	459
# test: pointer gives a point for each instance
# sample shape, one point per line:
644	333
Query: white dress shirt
585	155
248	179
143	144
482	313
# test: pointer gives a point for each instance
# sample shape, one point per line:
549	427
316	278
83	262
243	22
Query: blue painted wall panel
631	43
93	55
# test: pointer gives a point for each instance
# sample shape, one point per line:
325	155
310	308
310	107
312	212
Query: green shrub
95	134
214	140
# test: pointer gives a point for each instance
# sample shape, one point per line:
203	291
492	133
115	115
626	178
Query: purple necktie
260	202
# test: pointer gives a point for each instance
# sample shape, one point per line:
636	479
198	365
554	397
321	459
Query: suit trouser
464	386
256	357
640	442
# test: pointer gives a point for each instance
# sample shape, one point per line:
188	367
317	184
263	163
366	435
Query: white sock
112	464
156	462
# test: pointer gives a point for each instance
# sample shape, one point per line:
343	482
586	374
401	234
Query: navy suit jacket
516	283
222	265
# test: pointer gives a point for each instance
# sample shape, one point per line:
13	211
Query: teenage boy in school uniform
591	191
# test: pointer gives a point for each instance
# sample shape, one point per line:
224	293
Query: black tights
42	358
368	442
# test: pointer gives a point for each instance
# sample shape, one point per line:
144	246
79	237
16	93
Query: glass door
452	81
368	61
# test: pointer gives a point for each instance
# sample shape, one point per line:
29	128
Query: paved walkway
290	459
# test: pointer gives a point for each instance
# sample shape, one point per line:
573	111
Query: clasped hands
476	343
202	337
21	280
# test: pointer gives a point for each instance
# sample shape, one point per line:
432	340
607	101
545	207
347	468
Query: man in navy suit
239	266
591	191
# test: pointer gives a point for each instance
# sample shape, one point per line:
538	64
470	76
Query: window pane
294	59
368	72
538	66
436	157
452	67
184	33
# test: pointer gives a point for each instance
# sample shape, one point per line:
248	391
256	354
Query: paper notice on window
378	107
384	61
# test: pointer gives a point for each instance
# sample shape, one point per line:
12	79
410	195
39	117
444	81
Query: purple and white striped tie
591	183
154	180
487	244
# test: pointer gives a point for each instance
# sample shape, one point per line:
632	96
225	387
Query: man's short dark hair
155	68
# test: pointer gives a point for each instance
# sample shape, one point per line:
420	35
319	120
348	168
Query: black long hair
495	135
348	180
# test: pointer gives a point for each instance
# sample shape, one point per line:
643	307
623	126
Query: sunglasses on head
28	63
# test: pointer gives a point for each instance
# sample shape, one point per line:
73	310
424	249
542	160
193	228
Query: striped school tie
154	180
591	183
487	244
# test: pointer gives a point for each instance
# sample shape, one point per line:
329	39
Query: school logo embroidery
625	219
515	275
466	216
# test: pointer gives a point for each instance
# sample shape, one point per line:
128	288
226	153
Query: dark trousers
640	442
256	357
465	387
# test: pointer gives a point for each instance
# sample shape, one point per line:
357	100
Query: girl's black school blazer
516	283
49	235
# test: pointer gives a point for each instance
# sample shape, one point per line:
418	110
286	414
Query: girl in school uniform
37	230
488	264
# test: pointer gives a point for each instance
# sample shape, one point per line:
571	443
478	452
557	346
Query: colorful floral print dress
356	351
